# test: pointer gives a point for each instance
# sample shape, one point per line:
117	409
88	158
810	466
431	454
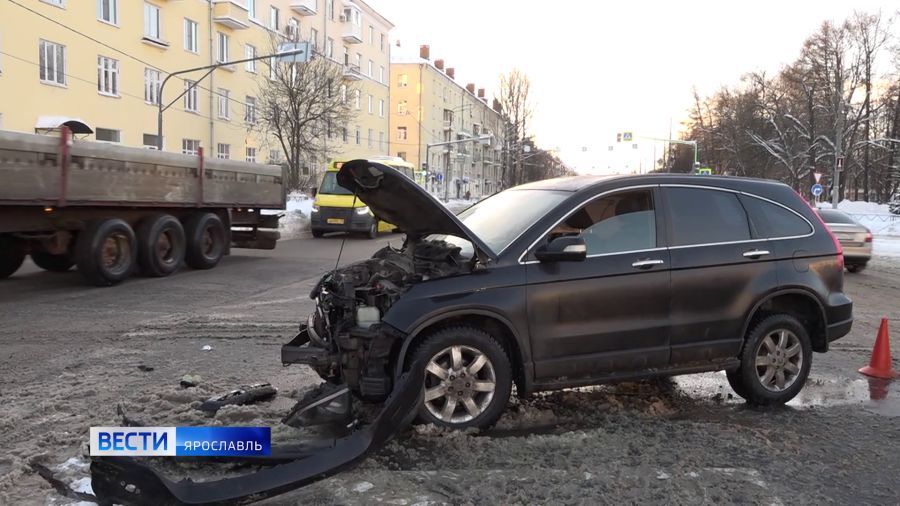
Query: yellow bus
334	209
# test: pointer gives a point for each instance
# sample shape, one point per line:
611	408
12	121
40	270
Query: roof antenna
344	239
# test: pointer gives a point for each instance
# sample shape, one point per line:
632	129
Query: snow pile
295	222
875	217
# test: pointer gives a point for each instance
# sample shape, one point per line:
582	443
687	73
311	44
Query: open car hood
397	199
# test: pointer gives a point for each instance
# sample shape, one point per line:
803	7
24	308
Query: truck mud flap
128	481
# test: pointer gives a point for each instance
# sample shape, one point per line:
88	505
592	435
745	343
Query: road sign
817	189
627	136
840	162
298	52
818	176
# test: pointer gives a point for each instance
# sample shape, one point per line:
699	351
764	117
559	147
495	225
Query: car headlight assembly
362	210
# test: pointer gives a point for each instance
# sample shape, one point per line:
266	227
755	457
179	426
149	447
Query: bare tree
517	110
301	107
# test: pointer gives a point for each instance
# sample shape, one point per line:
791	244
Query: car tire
317	233
161	245
735	380
855	268
12	254
479	402
775	360
106	252
52	263
206	240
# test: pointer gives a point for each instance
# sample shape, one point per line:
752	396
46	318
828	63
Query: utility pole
839	134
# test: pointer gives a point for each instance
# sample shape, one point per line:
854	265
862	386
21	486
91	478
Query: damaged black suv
578	281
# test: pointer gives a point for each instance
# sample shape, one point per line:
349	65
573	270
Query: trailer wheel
106	252
205	240
161	245
52	263
12	254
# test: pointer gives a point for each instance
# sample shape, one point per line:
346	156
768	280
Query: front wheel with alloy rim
468	378
775	360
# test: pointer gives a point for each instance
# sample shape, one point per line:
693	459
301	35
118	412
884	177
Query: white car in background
855	239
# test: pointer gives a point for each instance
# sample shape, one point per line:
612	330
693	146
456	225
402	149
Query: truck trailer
112	210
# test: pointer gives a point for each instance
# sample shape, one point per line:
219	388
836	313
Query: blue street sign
817	189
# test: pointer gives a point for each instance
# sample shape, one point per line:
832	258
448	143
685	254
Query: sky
600	67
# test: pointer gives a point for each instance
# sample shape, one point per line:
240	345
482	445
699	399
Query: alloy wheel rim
459	384
779	360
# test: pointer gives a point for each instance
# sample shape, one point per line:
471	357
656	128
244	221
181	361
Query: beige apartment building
97	65
428	107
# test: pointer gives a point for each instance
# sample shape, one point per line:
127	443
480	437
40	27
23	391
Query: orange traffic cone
880	366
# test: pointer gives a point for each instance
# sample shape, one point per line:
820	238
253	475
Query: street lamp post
303	50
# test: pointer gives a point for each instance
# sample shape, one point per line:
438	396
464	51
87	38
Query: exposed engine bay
350	302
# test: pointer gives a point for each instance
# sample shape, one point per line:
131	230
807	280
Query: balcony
352	34
351	17
304	7
352	73
231	14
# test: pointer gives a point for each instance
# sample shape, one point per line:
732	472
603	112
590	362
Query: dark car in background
855	239
578	281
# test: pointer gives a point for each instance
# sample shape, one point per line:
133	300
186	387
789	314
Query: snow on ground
885	226
296	217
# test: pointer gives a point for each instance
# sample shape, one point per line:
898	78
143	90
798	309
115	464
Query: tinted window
330	185
706	216
829	216
773	220
613	224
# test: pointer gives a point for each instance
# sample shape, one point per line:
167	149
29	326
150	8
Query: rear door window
701	216
773	221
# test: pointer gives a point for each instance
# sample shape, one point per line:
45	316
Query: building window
108	135
402	81
401	107
344	133
150	141
381	108
381	75
222	54
190	35
359	61
357	135
251	155
369	138
382	42
190	146
356	95
273	18
108	76
371	68
329	48
58	3
381	141
250	109
108	11
273	69
251	9
343	92
330	9
53	62
401	133
251	53
223	151
152	28
190	98
292	30
152	80
371	35
222	102
314	38
370	104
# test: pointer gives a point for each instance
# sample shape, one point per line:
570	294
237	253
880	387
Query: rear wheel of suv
775	361
468	378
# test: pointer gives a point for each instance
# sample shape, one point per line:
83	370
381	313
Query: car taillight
834	239
868	236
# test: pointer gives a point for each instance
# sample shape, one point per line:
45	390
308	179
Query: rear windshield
831	216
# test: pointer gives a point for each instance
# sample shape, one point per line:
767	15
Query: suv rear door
720	268
609	313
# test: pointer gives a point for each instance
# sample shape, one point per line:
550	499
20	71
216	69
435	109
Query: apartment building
428	106
97	66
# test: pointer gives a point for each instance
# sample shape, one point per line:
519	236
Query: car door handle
646	263
756	253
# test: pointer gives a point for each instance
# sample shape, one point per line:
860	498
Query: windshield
500	219
330	185
836	217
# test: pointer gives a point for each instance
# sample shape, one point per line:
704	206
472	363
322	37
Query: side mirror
563	249
313	191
